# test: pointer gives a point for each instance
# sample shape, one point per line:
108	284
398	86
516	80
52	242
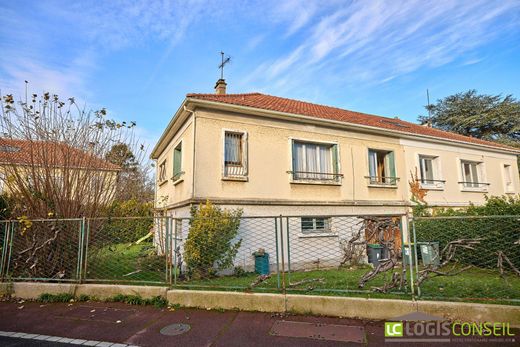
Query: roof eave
157	150
343	124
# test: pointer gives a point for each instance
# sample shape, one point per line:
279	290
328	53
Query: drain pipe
194	152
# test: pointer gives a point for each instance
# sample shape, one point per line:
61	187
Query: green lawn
138	263
125	262
476	285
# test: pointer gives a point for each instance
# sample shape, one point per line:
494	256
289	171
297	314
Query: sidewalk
141	325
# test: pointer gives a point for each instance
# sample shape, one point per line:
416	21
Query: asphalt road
142	325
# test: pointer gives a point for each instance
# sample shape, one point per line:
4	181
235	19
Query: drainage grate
331	332
175	329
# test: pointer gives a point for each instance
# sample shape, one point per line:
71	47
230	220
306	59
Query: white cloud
375	41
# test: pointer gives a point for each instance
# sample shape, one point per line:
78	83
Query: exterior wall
169	192
450	156
270	157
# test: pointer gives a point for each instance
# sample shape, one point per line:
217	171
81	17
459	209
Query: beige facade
266	186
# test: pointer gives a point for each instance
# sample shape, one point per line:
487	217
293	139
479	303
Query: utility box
430	253
409	254
374	252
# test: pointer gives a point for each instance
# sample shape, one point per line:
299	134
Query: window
381	167
177	162
471	174
508	178
162	172
315	225
315	161
235	154
429	171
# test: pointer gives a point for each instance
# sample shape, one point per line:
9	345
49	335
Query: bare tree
53	152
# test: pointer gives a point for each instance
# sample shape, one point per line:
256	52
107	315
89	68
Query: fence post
288	251
175	224
79	267
416	258
410	262
282	253
4	249
166	241
87	240
277	257
10	251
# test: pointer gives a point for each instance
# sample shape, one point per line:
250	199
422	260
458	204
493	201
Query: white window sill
235	178
474	190
317	234
162	183
391	186
178	180
431	187
316	182
510	192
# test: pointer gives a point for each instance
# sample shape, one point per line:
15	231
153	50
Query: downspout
194	152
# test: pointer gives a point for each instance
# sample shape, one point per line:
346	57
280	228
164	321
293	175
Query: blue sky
139	58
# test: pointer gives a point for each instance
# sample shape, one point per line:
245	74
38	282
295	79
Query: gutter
340	124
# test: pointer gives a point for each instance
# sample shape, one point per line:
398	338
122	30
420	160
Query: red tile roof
56	154
275	103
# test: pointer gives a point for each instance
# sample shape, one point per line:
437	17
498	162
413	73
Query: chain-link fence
448	258
468	258
339	255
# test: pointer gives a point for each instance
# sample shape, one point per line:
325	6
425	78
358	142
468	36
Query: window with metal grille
315	161
162	172
235	154
315	225
471	176
381	167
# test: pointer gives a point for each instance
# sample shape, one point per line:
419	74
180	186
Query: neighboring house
322	165
56	170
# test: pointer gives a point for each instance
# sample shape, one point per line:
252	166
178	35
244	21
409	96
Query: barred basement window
315	225
235	154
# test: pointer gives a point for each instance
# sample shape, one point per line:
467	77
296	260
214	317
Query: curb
352	307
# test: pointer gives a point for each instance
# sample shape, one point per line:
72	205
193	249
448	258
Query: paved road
141	326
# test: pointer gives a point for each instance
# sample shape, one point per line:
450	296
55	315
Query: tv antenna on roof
223	63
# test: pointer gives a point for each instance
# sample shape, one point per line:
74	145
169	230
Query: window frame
479	185
161	175
436	182
243	176
177	172
334	149
509	187
385	181
326	230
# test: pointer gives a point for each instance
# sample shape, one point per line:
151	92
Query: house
270	156
274	156
60	174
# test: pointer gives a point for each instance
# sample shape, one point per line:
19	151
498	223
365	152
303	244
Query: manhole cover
175	329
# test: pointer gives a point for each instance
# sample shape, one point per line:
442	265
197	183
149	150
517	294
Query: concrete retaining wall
379	309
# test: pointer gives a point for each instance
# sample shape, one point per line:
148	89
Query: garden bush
211	244
497	223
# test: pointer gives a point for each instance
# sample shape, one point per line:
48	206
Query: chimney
220	87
